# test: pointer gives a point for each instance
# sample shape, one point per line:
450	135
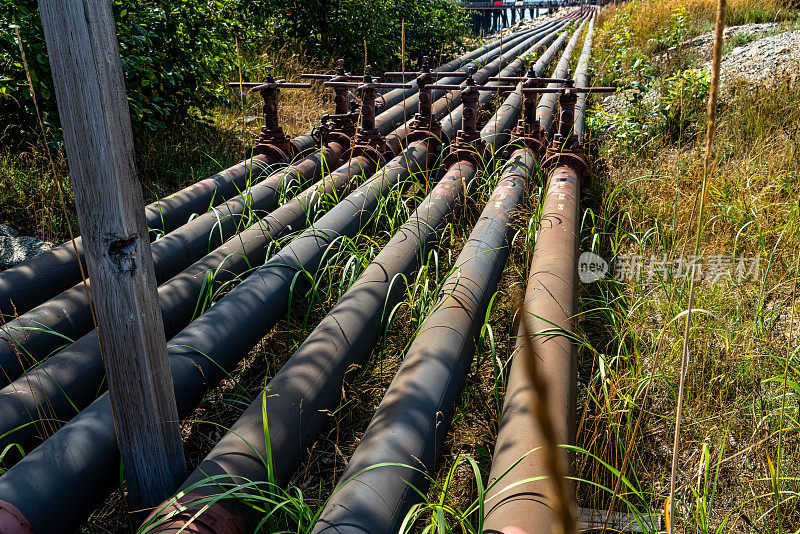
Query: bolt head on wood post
90	90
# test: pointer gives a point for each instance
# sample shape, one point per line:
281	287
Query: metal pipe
512	60
548	102
307	387
511	69
449	103
32	406
34	335
412	420
55	485
32	282
406	109
548	307
582	80
496	130
397	95
300	396
71	379
74	429
27	285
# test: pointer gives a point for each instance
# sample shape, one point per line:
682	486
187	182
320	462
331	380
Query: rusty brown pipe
549	307
12	521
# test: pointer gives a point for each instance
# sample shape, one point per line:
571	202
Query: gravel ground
703	44
765	61
15	249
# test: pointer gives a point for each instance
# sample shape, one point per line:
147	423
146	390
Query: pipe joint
12	521
183	516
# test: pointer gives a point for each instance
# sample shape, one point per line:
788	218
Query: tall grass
737	471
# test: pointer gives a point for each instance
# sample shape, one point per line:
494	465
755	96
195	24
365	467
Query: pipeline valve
565	147
341	124
272	142
468	143
527	131
368	138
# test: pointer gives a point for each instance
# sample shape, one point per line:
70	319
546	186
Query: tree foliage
177	53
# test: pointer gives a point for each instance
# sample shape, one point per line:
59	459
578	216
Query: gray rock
249	119
7	231
14	250
764	61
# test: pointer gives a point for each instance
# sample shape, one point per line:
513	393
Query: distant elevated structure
493	15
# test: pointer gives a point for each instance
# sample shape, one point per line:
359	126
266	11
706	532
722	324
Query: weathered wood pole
90	91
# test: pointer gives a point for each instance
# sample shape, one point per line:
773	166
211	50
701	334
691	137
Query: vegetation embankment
739	448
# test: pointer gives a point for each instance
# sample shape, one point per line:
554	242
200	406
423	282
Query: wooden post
90	90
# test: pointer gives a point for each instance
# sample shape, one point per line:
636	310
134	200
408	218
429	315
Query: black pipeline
308	385
497	136
448	106
397	95
500	57
34	335
25	286
71	378
300	396
582	80
56	389
55	485
494	135
30	283
412	420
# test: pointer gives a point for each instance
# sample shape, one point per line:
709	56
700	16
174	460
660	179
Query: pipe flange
213	520
467	146
335	136
575	159
475	154
433	139
12	521
534	144
426	129
370	152
272	153
529	136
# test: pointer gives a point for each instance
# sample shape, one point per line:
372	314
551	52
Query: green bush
651	116
177	53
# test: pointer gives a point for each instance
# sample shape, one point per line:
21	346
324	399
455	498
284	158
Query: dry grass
739	447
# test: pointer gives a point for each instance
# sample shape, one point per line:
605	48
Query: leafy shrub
347	27
176	53
652	117
683	99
